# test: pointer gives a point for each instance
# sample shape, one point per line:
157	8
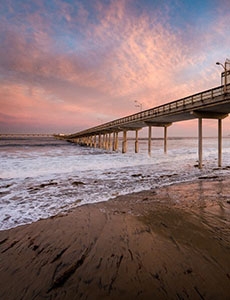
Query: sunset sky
69	65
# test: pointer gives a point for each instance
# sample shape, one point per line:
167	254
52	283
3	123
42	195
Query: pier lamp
139	104
225	72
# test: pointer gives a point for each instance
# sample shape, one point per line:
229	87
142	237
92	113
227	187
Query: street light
139	104
225	72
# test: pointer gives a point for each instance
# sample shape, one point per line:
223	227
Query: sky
69	65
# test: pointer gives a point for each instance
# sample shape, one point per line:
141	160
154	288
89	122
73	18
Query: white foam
37	182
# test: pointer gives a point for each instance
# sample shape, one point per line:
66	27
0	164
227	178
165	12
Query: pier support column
219	143
200	143
124	143
103	141
116	141
114	138
106	142
150	140
99	141
165	139
158	124
210	115
109	144
136	142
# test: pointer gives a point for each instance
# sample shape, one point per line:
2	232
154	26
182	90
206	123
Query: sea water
42	176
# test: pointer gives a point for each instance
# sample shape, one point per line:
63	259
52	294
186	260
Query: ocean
42	176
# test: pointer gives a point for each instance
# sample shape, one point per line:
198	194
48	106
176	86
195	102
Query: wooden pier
209	104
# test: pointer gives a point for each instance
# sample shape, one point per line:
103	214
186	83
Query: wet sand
168	243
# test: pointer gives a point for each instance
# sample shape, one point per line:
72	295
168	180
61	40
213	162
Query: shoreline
169	243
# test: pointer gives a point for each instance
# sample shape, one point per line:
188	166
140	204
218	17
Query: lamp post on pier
139	104
225	72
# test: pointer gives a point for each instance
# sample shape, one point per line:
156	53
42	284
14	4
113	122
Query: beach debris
197	165
226	168
188	271
43	185
208	177
156	276
76	183
168	175
136	175
145	199
6	186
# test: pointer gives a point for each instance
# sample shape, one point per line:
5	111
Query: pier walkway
209	104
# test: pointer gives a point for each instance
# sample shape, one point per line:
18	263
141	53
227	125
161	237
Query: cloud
90	59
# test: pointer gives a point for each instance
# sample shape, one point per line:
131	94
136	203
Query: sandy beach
168	243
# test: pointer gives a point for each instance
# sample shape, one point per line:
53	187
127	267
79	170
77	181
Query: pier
210	104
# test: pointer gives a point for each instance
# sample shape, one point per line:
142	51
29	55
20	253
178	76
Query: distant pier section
209	104
25	135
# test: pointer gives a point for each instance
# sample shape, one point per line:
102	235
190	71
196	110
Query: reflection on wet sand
167	243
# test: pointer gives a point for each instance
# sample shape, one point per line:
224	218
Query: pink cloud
124	56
